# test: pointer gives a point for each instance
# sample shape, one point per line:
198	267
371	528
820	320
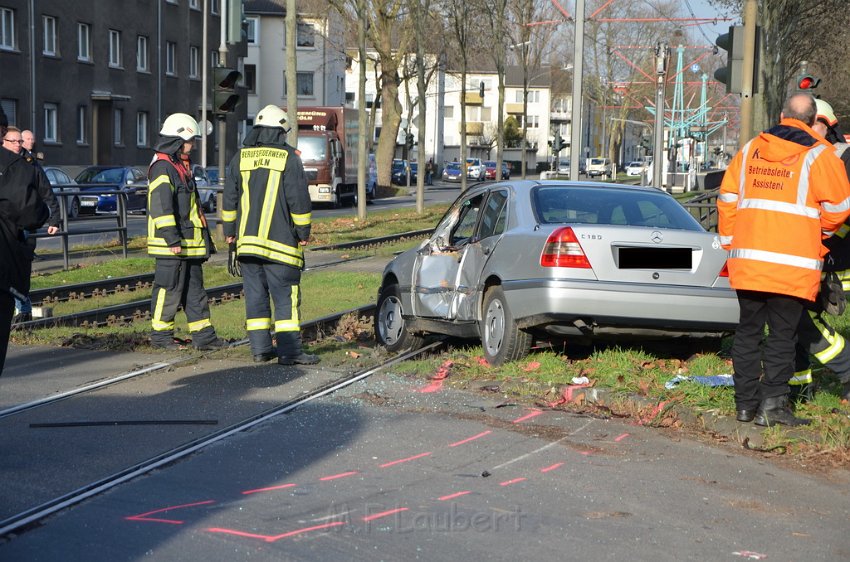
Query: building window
304	83
213	6
142	53
251	33
306	35
51	118
213	58
249	78
10	108
486	114
83	42
82	137
449	112
114	48
118	127
49	25
194	62
141	128
195	4
7	29
171	58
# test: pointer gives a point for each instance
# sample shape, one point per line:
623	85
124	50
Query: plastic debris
713	380
580	380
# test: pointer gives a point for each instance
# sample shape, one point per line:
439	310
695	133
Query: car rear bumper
591	306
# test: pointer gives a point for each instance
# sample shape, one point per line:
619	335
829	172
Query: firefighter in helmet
266	213
178	238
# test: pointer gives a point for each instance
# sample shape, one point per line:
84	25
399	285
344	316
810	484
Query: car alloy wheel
501	338
390	326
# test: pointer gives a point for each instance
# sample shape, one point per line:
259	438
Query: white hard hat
826	113
272	116
180	125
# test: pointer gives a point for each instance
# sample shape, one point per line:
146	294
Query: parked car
399	172
636	168
490	172
207	194
475	169
60	181
131	181
451	171
599	167
564	168
509	263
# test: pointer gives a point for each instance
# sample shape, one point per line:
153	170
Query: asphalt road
384	471
440	192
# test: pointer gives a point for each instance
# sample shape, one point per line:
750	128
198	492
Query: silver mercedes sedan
514	261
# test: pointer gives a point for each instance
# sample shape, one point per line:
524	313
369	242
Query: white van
599	167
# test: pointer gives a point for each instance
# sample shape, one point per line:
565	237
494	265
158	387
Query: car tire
390	325
501	339
74	210
211	204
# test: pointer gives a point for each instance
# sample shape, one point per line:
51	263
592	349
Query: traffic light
225	98
408	141
558	143
807	82
481	89
732	73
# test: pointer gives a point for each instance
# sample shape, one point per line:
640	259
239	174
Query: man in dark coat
20	209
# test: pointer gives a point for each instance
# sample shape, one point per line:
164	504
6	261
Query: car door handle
485	250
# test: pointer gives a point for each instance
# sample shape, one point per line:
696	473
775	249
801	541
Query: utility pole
750	20
362	162
204	85
575	115
662	54
222	119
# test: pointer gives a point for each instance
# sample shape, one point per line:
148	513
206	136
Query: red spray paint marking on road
438	378
399	461
552	467
567	394
453	496
468	439
269	489
621	437
144	516
514	481
384	514
533	414
274	538
340	475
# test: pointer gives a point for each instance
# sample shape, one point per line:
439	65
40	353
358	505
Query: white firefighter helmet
272	116
180	125
826	113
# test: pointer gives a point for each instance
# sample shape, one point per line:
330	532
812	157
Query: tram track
135	310
26	518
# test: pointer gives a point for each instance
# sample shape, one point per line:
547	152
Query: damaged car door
448	268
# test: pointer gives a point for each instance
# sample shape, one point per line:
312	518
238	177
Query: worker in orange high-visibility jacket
782	194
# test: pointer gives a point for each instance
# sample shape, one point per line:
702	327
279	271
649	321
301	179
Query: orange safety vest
778	200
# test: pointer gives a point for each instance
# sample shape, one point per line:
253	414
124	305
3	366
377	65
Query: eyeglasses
14	141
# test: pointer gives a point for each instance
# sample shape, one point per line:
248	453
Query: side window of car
469	211
493	218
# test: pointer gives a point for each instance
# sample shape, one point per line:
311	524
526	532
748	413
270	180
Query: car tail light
724	271
563	250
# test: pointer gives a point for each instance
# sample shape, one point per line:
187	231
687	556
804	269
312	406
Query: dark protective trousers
261	279
7	310
781	314
180	282
815	337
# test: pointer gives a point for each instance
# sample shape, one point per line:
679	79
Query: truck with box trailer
327	140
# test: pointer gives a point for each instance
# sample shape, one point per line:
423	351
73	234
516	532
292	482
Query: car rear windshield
597	205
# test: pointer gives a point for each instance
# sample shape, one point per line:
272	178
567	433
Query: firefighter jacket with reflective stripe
838	259
174	216
267	204
783	193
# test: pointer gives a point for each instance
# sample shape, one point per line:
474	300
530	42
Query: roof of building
276	7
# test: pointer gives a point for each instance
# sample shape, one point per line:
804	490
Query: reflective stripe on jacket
174	218
781	195
267	205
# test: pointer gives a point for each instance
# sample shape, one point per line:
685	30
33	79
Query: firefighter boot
845	391
801	393
775	410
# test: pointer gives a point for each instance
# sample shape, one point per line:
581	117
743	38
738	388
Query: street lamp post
578	66
662	53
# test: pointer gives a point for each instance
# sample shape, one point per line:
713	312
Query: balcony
474	128
472	98
513	108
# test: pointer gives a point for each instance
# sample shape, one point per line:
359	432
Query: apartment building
95	79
